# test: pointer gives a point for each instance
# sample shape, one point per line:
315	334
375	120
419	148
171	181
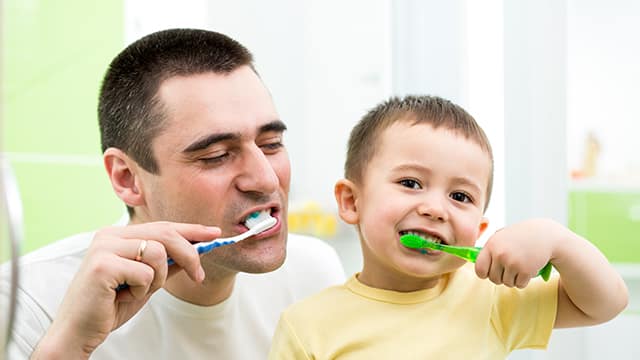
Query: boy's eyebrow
208	140
467	182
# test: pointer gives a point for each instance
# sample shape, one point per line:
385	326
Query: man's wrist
54	345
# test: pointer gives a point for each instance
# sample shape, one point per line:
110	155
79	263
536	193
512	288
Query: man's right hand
92	307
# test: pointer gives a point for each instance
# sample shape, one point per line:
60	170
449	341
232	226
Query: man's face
221	157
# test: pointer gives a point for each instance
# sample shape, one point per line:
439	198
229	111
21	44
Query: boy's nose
258	174
434	208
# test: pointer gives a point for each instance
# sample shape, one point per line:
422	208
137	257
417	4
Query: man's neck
212	291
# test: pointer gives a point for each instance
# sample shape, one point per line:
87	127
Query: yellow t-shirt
463	317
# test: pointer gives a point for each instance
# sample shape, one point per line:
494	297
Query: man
192	145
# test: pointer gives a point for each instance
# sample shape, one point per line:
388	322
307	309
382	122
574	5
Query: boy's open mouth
432	237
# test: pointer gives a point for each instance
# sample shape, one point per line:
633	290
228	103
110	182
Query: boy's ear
484	224
346	194
123	174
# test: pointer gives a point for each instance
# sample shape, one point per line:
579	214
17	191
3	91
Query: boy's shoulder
324	304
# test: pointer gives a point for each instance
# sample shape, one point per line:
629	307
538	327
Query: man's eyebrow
276	126
209	140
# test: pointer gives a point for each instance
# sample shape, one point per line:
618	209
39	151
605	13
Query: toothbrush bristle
411	241
264	225
256	218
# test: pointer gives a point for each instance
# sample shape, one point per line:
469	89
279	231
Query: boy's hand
515	254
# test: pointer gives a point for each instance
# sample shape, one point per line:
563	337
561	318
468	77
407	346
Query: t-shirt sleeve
524	318
286	345
30	324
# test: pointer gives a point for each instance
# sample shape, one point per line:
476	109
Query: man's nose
258	174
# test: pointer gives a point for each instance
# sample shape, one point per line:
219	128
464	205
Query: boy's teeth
425	236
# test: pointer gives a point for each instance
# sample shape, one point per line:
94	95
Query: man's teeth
424	236
257	217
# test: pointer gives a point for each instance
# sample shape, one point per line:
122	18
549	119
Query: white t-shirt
240	327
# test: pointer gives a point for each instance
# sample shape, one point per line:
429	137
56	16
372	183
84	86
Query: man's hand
135	255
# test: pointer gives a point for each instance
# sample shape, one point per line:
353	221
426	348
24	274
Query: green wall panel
55	53
64	199
609	219
54	56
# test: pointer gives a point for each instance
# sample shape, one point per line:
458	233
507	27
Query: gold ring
143	245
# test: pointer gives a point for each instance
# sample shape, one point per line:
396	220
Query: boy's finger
496	273
483	263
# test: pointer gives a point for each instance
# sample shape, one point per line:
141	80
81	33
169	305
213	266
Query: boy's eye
461	197
410	183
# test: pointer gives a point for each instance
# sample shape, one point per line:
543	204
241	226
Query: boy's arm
590	291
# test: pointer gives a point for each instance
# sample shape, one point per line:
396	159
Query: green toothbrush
468	253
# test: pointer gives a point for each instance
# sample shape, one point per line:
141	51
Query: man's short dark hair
129	111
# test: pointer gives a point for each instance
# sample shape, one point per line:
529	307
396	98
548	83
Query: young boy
422	165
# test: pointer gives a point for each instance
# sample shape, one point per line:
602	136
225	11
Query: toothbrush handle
471	254
204	249
468	253
545	272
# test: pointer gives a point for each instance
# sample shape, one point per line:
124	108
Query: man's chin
254	262
263	265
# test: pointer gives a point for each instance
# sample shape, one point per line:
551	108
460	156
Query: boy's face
425	180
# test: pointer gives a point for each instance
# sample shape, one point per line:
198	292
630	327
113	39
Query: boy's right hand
515	254
92	307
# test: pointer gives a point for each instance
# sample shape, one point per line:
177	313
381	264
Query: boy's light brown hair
432	110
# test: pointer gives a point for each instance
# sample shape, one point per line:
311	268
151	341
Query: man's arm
92	307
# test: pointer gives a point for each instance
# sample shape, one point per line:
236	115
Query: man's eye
410	183
215	159
461	197
271	147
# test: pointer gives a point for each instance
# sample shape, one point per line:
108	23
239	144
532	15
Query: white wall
603	76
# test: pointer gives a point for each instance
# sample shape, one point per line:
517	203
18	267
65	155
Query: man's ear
123	174
346	193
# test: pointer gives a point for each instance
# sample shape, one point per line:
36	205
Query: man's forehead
210	103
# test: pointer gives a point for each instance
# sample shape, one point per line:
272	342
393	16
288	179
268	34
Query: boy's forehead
422	143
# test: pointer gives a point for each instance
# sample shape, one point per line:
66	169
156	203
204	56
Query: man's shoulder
44	276
72	246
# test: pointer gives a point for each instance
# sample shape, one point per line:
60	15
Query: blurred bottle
590	156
